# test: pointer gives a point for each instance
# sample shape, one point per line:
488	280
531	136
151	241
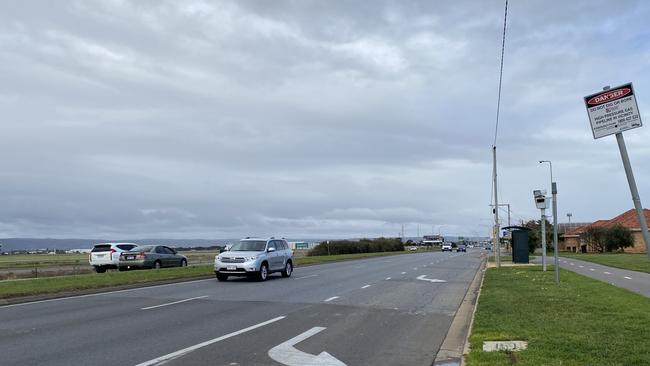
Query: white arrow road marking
287	354
627	278
423	278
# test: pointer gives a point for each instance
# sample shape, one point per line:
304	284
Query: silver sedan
151	256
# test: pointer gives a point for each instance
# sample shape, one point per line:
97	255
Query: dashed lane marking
331	298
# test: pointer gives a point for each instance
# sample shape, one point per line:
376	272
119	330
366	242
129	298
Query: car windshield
143	248
249	246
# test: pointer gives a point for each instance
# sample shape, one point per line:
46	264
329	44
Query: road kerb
455	344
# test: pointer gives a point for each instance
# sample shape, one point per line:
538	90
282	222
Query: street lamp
554	193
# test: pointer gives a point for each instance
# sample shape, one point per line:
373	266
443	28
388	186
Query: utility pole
497	229
544	239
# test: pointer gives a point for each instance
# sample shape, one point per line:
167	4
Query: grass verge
579	322
51	285
632	261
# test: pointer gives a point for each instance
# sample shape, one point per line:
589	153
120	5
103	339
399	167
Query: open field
579	322
632	261
37	286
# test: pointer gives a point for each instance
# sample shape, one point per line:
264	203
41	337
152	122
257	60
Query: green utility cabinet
520	246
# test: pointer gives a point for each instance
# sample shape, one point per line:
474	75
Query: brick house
628	219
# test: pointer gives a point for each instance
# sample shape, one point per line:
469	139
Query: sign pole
557	261
635	192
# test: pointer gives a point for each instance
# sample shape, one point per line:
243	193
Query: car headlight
251	258
218	257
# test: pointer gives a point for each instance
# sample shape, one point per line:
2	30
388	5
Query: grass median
631	261
51	285
579	322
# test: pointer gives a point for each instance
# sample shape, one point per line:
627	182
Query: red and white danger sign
613	111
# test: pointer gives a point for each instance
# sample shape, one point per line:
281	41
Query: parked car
255	257
446	247
413	248
151	256
107	255
461	248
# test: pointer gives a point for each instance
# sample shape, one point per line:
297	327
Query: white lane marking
184	351
423	278
415	268
403	272
431	263
331	298
300	278
173	303
286	354
572	264
103	293
424	265
581	266
591	269
388	278
366	286
606	273
627	278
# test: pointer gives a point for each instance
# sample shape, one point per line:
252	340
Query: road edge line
456	342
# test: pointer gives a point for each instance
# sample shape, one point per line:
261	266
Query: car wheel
264	272
183	263
157	265
100	269
222	277
288	269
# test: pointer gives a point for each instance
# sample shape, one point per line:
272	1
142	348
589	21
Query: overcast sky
222	119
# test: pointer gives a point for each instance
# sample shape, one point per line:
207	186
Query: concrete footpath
638	282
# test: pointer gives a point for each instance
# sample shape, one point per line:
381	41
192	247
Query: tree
535	234
595	238
618	237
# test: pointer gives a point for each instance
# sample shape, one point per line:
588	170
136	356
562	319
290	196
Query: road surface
392	310
638	282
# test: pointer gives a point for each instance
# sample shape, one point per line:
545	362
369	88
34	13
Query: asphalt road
638	282
382	311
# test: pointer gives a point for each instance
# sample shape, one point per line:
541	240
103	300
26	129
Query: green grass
579	322
632	261
41	260
39	286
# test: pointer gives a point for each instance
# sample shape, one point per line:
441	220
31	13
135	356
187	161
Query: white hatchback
107	255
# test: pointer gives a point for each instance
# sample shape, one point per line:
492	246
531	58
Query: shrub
361	246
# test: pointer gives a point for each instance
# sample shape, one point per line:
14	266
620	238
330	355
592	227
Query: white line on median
187	350
331	298
366	286
300	278
627	278
173	303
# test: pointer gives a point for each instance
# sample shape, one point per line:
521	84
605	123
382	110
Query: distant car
487	247
107	255
446	247
413	248
256	258
151	256
461	248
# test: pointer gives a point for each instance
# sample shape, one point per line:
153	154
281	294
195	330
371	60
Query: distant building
433	240
78	251
574	243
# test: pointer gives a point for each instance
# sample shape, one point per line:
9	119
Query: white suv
255	257
107	255
446	247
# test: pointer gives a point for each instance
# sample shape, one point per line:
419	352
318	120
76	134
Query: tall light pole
554	193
